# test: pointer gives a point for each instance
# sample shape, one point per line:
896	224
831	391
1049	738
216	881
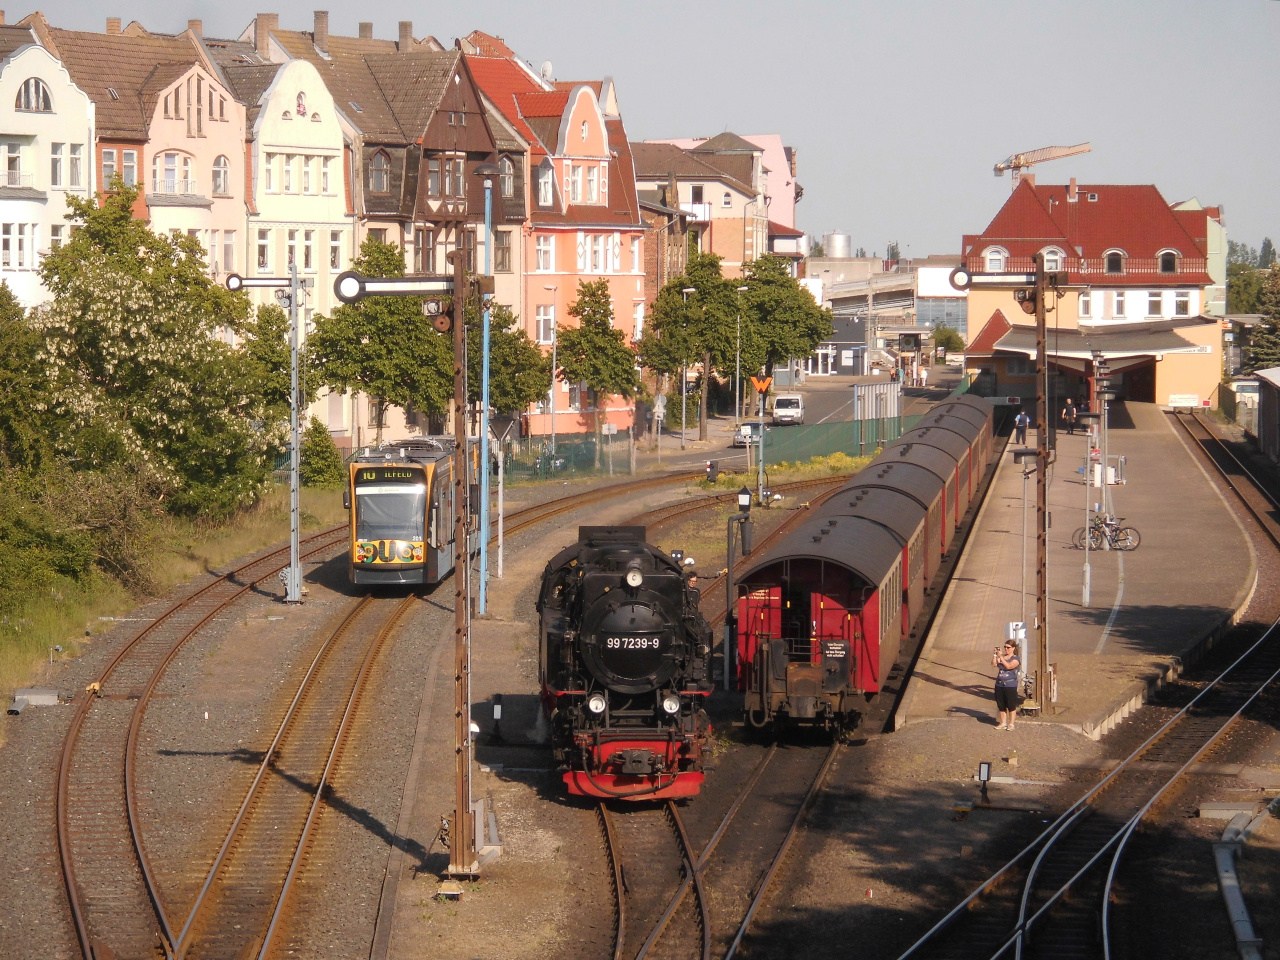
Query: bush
321	465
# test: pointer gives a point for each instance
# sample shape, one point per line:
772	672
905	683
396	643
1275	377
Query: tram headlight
671	703
595	703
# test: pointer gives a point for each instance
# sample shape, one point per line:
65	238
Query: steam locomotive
624	663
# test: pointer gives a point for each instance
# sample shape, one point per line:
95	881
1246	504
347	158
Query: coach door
440	522
759	621
834	627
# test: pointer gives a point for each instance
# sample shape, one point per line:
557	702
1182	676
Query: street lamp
741	519
552	287
737	363
488	171
1089	419
684	378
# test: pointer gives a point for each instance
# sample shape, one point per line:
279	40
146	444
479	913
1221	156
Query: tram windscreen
391	511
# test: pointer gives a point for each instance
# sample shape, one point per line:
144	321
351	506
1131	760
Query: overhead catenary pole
293	583
484	403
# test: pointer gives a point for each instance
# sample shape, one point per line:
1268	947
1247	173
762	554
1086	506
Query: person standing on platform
1069	416
1020	424
924	376
1007	662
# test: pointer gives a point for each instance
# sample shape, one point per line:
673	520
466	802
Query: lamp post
743	520
684	373
553	287
1090	420
488	171
737	364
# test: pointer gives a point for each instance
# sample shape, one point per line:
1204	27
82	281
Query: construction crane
1021	161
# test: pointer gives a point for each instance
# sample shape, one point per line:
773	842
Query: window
1119	308
1053	260
433	177
507	177
1155	304
1020	367
229	251
222	108
695	193
129	167
379	234
1168	262
269	173
584	130
1182	303
335	249
469	249
502	251
545	247
579	397
213	250
167	112
636	265
221	177
55	236
108	166
33	95
638	328
286	182
598	262
575	183
428	244
1086	303
1114	263
546	323
995	261
264	249
324	173
211	103
22	245
73	169
459	178
593	184
546	189
291	247
168	176
380	173
6	246
55	164
727	199
306	174
177	103
308	248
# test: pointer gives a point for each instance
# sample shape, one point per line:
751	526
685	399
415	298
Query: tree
892	252
816	249
519	373
321	464
1244	284
595	352
948	339
1241	253
786	321
1266	254
1263	351
383	346
24	432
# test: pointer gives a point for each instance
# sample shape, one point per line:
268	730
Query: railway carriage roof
943	438
898	511
855	543
982	404
967	426
915	481
941	464
959	411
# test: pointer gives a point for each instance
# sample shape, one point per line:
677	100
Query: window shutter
615	260
604	183
582	252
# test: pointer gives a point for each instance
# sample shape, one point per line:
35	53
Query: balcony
1095	268
13	178
166	185
698	212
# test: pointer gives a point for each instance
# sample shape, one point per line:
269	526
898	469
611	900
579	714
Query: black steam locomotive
625	667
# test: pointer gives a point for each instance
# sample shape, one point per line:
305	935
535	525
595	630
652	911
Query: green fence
858	438
532	458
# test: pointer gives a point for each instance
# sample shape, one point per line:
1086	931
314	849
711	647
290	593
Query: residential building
46	139
1137	294
584	219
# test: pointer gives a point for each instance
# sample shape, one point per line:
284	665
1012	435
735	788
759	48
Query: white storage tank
836	245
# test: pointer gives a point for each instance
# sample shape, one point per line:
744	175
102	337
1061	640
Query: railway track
116	905
1054	899
674	512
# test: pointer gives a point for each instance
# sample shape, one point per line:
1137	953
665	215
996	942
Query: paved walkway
1148	607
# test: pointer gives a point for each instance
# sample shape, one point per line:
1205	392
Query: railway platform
1150	609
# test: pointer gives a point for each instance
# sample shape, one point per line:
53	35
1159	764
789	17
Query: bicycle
1107	530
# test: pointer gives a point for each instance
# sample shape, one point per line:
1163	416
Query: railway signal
762	387
1038	285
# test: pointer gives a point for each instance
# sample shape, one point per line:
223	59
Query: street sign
762	386
609	429
660	406
351	287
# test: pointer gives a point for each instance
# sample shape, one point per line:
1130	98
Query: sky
898	109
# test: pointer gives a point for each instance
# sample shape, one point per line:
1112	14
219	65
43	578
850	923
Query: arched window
315	117
1168	262
380	173
221	176
546	185
995	258
1114	262
1053	259
171	173
727	199
507	177
33	95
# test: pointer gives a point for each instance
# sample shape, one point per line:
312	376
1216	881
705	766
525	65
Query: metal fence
1245	414
855	437
577	455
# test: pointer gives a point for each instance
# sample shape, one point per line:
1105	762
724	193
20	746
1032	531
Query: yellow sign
762	386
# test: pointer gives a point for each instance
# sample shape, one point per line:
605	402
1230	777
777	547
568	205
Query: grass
784	472
72	612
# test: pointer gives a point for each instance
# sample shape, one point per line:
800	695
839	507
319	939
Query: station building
1144	292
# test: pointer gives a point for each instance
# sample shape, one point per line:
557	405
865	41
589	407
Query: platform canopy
1115	341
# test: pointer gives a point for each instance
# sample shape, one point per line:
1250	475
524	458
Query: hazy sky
898	110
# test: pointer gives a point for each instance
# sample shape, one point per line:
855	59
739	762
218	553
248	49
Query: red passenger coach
821	618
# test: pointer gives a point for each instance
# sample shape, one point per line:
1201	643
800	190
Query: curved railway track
116	906
1054	898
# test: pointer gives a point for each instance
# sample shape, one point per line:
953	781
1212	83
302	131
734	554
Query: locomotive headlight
634	577
595	703
671	703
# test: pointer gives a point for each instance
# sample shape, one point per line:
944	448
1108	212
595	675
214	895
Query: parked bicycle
1107	531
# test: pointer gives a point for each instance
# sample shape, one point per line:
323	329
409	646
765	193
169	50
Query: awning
1115	341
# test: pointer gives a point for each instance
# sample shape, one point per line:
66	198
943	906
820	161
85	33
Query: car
788	408
747	434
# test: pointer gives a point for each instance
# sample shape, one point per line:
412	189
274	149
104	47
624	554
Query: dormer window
1168	262
546	186
380	173
1053	260
1114	262
507	177
33	96
995	259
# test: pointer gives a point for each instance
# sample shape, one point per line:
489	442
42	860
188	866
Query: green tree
519	373
1241	253
1244	285
595	352
24	430
320	464
948	339
1266	253
816	249
786	321
892	253
1263	351
383	346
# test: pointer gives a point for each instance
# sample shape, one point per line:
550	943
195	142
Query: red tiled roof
780	230
984	344
502	80
489	46
543	104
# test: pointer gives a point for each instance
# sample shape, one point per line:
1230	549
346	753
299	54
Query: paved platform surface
1148	607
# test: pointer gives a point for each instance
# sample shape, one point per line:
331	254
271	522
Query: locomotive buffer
1031	290
467	825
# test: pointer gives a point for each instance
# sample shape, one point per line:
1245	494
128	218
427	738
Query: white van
788	408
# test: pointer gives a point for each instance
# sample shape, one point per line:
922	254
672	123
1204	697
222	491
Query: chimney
1029	179
1072	194
320	32
113	26
263	24
406	36
196	27
1	18
366	30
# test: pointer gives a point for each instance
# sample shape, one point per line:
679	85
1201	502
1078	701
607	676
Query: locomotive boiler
624	667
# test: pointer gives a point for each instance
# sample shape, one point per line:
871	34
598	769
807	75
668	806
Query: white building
46	138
